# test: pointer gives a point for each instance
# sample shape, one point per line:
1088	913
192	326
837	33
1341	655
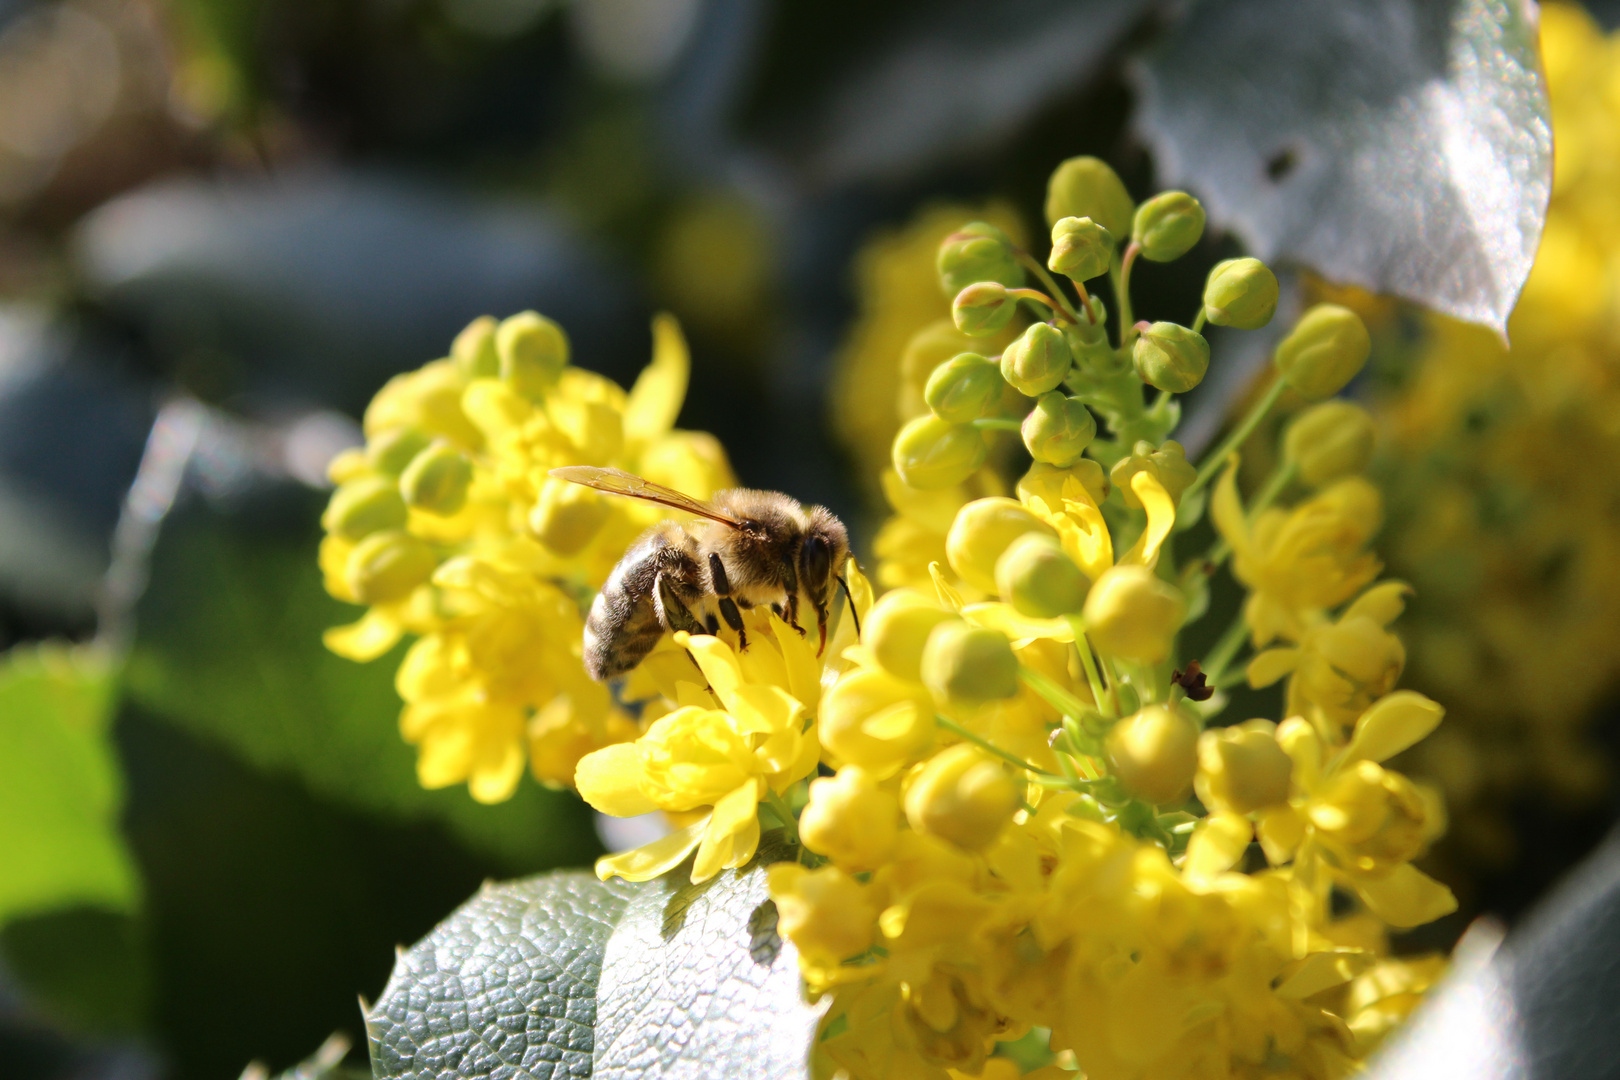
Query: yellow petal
1272	665
1217	845
1085	537
367	639
1021	628
1280	831
717	660
1226	509
656	398
1383	603
1406	896
494	407
1161	517
764	710
733	833
495	775
803	669
650	860
610	780
947	594
1393	723
1322	971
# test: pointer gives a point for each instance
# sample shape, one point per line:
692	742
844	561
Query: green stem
1122	293
1089	662
1035	296
996	423
779	807
1212	464
1226	649
1051	284
985	744
1200	319
1054	695
1280	479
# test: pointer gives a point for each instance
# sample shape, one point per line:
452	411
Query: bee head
826	546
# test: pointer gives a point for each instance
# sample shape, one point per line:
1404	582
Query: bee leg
793	613
673	612
717	576
733	617
712	623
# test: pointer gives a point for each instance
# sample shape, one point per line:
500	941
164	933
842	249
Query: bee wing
619	482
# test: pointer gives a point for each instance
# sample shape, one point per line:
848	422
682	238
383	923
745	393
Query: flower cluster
1500	477
1031	837
448	528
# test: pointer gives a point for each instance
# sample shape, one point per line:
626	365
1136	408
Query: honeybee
748	549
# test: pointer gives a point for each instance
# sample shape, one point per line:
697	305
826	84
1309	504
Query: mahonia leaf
1402	146
564	976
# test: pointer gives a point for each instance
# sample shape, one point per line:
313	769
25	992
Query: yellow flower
749	734
1300	562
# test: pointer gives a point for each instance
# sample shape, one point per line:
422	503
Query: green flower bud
983	308
1087	187
1038	361
1038	580
966	664
533	350
1131	612
1324	351
474	349
392	450
386	566
1329	441
963	388
437	480
1171	357
1058	429
1240	293
977	252
930	454
897	631
364	505
1155	753
1081	249
1168	225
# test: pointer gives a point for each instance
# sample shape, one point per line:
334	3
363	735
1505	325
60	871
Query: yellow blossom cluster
1500	471
447	527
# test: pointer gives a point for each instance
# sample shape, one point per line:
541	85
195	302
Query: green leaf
1398	145
565	976
228	647
60	791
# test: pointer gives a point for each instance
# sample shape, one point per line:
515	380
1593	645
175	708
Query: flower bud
533	350
437	480
1038	361
1240	293
1155	753
1168	225
981	531
983	308
567	516
1081	249
1038	580
386	566
1058	429
977	252
963	796
1087	187
851	820
1329	441
963	388
389	452
1171	357
872	719
473	350
825	913
364	505
1132	613
1242	768
930	454
1324	351
965	664
1168	463
898	628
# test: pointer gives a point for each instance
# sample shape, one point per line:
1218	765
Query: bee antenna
856	619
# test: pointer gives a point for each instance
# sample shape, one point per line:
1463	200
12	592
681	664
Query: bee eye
816	562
